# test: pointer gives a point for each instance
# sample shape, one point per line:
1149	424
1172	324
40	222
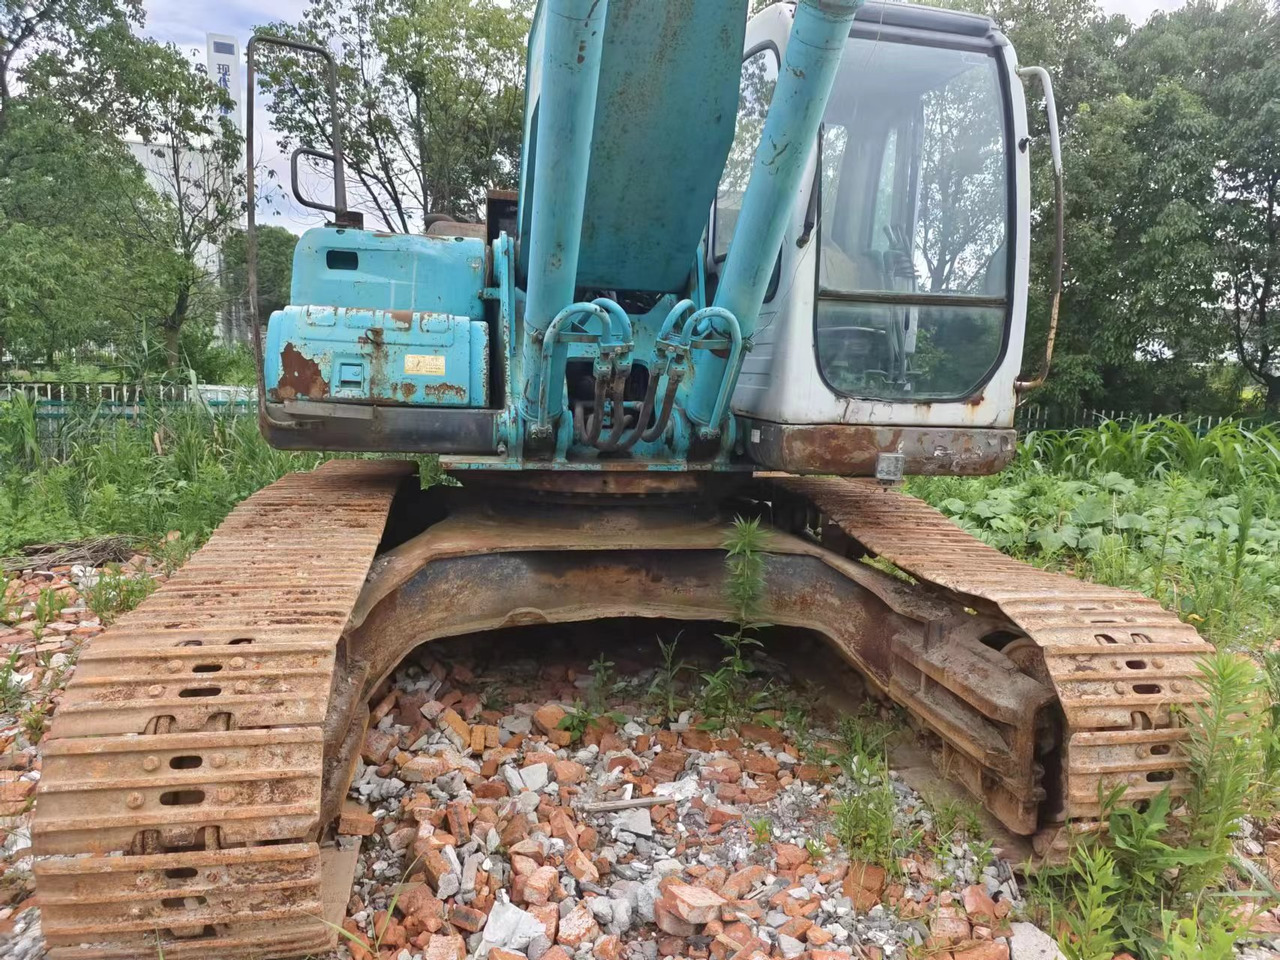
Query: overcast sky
185	22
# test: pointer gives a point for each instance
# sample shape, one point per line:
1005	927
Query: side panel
333	267
377	356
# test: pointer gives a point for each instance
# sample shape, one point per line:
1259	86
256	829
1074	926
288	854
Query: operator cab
899	295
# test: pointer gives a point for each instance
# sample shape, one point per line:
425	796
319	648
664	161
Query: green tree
1228	57
192	155
431	97
197	150
57	31
101	250
275	269
1141	320
69	274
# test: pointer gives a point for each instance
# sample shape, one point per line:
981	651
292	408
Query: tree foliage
103	244
58	31
1169	144
431	96
275	267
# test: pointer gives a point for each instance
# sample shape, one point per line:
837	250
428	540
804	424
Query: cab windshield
915	206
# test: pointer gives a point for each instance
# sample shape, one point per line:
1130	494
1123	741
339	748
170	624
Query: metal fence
53	393
1037	417
56	404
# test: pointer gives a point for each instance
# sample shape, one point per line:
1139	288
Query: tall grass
171	468
1230	454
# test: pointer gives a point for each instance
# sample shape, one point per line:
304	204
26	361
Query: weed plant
170	468
1192	521
728	695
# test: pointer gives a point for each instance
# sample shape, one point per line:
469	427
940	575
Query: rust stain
300	376
852	449
377	360
441	391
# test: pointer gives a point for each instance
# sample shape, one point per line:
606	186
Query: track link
180	801
1122	666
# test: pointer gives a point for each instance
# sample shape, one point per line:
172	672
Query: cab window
755	93
913	272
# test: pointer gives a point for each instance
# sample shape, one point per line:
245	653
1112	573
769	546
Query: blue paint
377	356
560	126
663	128
357	268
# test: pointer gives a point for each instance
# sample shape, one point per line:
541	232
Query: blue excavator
755	267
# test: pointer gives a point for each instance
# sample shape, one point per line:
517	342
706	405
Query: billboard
227	71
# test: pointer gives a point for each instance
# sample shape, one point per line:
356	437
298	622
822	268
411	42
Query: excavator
758	266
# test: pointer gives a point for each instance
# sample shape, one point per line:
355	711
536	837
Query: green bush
1193	521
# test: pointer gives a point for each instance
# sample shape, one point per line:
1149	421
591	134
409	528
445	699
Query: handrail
1055	151
342	216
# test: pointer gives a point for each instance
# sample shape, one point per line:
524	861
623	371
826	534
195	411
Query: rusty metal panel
851	450
245	902
255	785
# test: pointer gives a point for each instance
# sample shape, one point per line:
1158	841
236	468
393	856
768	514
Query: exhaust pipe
814	51
572	41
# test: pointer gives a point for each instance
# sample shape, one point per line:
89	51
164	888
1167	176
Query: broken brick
578	926
692	904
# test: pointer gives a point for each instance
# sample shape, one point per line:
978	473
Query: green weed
761	831
13	690
170	468
580	717
817	850
603	684
865	823
1226	750
1192	521
728	694
33	722
863	739
1094	891
116	592
49	603
1148	882
664	690
10	602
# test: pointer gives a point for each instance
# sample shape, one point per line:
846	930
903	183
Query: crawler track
190	739
1121	665
205	739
